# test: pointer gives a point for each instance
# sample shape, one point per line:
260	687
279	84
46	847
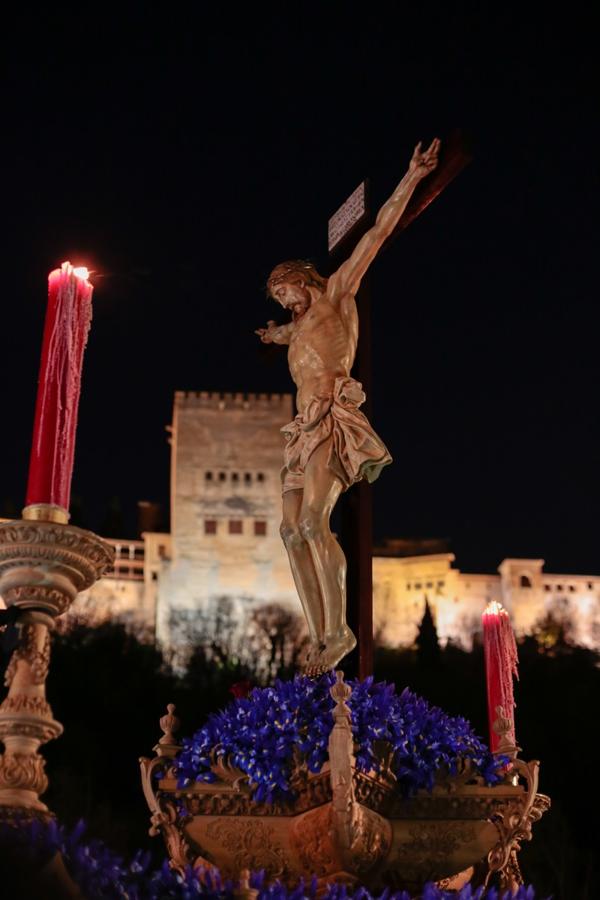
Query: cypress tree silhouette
428	647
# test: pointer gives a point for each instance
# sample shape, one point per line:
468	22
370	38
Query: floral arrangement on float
273	730
350	782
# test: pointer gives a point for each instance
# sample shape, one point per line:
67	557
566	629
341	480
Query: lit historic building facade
224	543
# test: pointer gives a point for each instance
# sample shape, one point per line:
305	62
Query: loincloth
355	451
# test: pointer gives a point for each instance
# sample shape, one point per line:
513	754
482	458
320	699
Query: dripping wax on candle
501	660
66	329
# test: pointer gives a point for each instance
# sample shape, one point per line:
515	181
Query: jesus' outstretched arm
275	334
348	277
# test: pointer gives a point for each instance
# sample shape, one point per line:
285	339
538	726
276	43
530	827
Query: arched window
235	476
222	476
525	581
247	477
260	476
208	476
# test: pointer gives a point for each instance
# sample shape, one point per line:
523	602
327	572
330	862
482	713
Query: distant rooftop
412	547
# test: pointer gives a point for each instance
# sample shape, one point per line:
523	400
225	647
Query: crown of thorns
299	266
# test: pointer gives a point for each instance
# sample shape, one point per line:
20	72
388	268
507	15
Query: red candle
68	318
500	666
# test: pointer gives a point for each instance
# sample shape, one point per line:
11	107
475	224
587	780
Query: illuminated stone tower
226	452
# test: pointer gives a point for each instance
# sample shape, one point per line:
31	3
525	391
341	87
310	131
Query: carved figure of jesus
330	445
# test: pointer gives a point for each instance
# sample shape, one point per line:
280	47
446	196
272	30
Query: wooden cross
356	504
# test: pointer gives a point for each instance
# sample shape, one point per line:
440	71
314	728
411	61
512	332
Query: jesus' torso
322	346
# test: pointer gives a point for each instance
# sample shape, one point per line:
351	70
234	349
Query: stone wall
226	452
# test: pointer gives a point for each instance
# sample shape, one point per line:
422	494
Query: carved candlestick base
43	566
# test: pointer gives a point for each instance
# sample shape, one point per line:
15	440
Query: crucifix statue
330	444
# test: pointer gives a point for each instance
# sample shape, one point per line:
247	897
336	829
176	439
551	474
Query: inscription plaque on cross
345	229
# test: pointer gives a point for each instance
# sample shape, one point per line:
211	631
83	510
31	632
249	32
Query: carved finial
169	724
244	891
341	692
167	745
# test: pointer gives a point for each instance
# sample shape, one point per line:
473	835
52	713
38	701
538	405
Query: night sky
181	158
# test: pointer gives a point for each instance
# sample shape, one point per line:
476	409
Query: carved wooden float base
346	825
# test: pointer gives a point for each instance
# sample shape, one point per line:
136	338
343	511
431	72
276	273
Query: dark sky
182	156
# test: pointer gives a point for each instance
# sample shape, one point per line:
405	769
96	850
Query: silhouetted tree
280	639
428	646
554	633
263	643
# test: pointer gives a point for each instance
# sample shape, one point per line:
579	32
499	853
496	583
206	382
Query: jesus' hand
267	335
424	161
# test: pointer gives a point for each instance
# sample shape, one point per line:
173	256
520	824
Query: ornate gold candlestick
44	564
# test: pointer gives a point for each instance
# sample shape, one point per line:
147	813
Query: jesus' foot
311	665
336	647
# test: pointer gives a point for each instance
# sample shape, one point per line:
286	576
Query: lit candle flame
81	272
494	608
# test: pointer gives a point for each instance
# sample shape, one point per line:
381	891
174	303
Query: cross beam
356	505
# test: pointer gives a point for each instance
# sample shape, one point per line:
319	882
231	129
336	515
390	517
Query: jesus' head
288	283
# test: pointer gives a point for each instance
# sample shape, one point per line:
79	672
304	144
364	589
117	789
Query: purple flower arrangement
102	875
265	733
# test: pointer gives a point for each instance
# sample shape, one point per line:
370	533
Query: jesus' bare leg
322	489
303	572
318	563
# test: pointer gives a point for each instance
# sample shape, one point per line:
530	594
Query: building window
572	588
247	477
235	476
222	476
524	581
417	586
210	526
155	576
559	587
440	584
235	526
590	586
260	528
547	587
260	476
208	476
429	584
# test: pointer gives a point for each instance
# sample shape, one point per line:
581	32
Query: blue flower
260	734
